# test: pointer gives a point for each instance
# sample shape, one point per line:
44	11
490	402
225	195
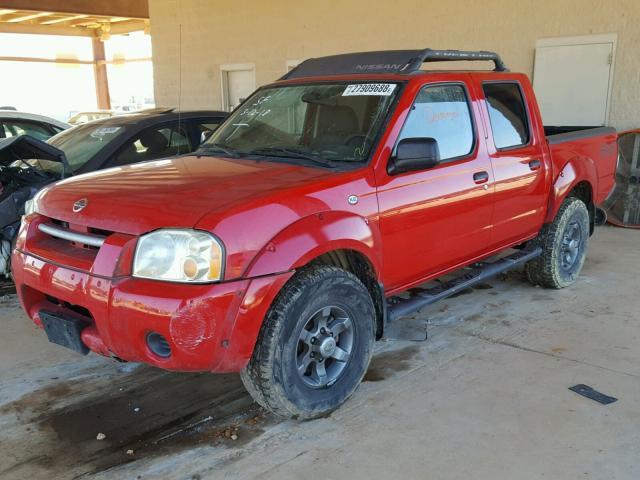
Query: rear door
435	219
517	157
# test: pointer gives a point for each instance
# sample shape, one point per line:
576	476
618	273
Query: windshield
81	143
328	121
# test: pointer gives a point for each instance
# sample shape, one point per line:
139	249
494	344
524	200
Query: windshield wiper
213	147
291	153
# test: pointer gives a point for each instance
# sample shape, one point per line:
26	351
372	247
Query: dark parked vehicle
136	137
14	123
26	164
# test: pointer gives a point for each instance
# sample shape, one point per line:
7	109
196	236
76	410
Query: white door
236	86
572	79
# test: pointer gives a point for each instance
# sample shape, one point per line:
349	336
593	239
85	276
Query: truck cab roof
400	62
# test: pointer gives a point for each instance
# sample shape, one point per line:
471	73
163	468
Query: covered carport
98	21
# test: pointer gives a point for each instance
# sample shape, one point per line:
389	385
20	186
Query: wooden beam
72	61
112	8
66	18
31	16
47	60
45	29
127	27
100	73
126	60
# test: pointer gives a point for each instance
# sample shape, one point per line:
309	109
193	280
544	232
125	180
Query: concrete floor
484	397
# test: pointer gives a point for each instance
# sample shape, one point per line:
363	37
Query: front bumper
210	327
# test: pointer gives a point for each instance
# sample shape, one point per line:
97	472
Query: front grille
84	237
74	246
81	239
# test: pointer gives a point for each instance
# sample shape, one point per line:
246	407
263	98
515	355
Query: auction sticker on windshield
101	132
380	89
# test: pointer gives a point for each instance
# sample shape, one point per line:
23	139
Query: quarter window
442	112
508	114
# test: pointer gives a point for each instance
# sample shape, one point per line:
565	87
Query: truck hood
173	192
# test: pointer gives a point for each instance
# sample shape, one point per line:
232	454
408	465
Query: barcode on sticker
382	89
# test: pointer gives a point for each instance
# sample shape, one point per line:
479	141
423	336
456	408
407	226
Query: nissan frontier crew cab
279	248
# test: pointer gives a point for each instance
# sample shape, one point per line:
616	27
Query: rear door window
442	112
508	114
13	128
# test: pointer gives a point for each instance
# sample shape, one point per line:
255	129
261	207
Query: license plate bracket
64	331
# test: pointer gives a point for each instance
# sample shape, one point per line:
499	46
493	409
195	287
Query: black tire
564	247
313	297
601	217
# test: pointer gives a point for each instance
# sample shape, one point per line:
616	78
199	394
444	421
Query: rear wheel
315	344
564	247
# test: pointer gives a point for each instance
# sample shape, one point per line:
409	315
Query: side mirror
414	154
205	135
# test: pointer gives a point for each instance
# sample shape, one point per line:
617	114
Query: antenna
179	74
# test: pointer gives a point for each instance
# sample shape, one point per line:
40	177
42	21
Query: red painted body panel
210	327
579	161
274	218
434	218
520	193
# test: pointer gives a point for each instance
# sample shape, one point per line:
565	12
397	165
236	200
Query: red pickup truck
278	249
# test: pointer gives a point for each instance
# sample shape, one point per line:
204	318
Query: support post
100	74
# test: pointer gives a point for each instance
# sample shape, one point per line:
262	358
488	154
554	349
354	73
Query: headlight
30	207
179	256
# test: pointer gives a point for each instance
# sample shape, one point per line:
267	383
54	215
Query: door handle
535	164
480	177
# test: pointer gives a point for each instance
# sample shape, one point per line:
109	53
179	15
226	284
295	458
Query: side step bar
399	307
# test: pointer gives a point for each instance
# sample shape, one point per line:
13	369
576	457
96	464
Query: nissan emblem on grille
80	205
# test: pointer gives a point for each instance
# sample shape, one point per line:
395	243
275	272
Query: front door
435	219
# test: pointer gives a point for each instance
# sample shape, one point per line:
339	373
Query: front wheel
564	247
314	346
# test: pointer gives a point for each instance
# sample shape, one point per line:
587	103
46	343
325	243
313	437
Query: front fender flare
314	235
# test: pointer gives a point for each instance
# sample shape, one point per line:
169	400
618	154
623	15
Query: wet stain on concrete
559	349
148	413
541	297
386	364
38	401
474	318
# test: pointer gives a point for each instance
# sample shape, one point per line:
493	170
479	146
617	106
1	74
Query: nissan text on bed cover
275	249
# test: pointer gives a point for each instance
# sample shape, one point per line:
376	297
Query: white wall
268	33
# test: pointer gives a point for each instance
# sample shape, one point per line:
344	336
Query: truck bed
550	130
596	145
